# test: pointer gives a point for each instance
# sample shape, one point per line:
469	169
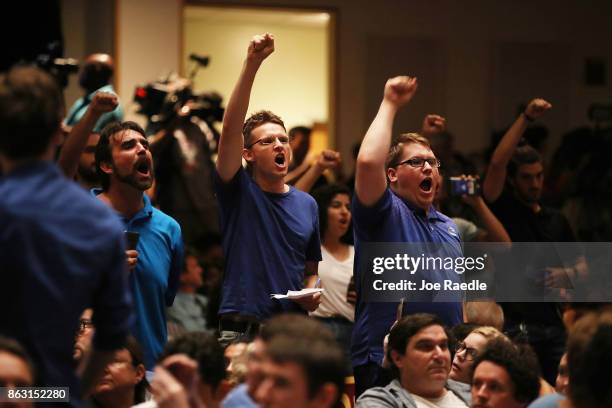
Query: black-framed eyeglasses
419	162
269	140
470	352
85	324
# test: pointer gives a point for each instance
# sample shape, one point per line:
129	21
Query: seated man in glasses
395	188
420	364
270	230
465	354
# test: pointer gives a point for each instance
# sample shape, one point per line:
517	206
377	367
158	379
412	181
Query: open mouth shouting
143	168
280	160
426	185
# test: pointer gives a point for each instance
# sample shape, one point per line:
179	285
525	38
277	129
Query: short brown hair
30	112
588	350
257	119
398	143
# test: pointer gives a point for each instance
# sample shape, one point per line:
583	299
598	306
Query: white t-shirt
335	277
449	400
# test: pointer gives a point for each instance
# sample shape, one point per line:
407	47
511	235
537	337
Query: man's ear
106	167
392	174
247	154
397	359
326	396
140	373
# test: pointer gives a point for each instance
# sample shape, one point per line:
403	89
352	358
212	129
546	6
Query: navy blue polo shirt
393	219
267	239
61	251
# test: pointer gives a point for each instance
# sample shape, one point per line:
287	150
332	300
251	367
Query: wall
88	27
147	45
472	38
293	82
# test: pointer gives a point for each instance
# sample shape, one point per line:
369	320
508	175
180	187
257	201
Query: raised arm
231	142
371	179
494	230
432	125
496	174
101	103
328	159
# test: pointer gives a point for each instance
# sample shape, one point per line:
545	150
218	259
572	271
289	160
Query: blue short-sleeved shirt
393	219
78	109
155	279
61	251
267	238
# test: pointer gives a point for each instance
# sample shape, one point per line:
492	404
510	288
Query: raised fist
536	108
328	159
103	102
432	125
260	47
400	90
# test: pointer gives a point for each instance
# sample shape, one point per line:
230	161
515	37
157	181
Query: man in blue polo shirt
125	166
400	211
94	77
270	230
61	251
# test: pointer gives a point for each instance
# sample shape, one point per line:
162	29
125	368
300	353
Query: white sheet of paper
296	294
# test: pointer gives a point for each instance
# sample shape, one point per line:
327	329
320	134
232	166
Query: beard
132	180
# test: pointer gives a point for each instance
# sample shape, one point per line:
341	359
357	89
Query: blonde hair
484	313
488	332
395	151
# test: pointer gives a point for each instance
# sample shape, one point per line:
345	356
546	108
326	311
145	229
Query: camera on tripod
60	68
167	99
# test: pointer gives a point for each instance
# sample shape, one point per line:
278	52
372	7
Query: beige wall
471	36
293	82
88	27
147	46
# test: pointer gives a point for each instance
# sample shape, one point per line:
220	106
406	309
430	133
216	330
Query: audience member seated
16	367
236	356
289	326
188	312
82	340
203	349
484	313
505	376
337	308
561	387
124	383
418	350
304	366
466	351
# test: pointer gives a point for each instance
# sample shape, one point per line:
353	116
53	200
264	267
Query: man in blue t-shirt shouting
400	211
270	230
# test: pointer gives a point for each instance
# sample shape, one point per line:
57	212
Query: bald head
97	72
99	58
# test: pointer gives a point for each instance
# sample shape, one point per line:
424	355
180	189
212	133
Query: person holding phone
394	193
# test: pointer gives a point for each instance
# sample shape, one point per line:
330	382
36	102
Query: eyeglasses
470	353
267	141
419	162
85	324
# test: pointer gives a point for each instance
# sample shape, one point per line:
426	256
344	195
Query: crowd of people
102	294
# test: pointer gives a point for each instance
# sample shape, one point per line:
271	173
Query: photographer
95	77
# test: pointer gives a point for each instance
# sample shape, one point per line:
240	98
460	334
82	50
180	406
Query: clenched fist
399	90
